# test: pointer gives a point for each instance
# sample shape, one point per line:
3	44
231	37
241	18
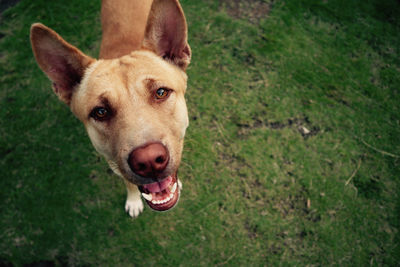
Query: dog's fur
144	47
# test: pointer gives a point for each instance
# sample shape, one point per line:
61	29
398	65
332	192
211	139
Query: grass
292	156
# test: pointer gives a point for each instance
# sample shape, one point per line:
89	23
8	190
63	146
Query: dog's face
132	101
133	107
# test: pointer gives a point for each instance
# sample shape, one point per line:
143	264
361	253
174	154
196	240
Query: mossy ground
292	156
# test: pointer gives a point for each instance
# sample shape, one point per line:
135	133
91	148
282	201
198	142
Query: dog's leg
133	204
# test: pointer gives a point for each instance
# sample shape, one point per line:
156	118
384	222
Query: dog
131	100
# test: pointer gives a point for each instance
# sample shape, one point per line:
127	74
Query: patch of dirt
336	95
252	230
292	204
252	10
303	125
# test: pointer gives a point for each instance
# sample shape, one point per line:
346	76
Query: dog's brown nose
149	160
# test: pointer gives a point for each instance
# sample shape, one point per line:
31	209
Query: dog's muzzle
150	161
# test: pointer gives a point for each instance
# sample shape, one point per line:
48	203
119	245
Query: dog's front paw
133	206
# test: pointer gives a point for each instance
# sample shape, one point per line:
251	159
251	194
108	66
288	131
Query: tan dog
132	100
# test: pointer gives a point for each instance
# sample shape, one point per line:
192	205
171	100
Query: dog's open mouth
161	196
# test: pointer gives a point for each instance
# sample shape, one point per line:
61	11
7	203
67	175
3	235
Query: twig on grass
220	130
379	150
188	165
354	172
225	262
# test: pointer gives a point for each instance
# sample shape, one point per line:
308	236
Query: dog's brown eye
100	113
162	93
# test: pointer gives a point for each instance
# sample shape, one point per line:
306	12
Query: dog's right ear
63	63
166	32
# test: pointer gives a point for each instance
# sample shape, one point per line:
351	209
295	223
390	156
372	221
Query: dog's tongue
158	186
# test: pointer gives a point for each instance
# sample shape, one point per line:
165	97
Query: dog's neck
123	24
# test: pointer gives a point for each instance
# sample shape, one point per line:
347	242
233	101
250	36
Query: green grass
256	190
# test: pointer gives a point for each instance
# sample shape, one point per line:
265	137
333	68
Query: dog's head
133	107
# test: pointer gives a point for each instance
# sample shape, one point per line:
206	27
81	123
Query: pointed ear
63	63
166	32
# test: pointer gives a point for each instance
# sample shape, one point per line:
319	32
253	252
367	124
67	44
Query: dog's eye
162	93
100	113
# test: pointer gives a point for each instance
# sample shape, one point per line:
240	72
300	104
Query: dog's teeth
158	202
174	188
148	197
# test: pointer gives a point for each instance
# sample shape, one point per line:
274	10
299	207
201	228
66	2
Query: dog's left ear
166	32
